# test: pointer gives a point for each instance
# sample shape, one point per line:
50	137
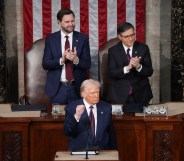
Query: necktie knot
91	107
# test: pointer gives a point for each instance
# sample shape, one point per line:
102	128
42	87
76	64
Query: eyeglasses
128	36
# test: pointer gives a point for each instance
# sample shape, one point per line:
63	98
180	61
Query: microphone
87	124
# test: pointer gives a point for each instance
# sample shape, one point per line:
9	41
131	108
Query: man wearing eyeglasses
129	66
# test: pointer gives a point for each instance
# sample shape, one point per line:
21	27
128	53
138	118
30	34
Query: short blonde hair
87	83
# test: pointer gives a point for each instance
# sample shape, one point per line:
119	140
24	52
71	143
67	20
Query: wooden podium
106	155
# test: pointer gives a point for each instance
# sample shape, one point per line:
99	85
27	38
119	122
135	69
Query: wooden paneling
138	138
163	140
46	137
130	137
14	139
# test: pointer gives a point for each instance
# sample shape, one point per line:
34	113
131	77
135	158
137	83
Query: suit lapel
75	39
135	50
100	114
122	58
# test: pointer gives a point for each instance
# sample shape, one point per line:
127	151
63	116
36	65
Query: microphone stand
86	153
88	123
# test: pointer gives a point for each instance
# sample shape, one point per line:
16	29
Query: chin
96	101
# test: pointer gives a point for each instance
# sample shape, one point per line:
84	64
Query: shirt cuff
139	68
77	62
126	70
76	118
60	61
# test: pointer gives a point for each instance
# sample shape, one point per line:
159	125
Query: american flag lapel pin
101	112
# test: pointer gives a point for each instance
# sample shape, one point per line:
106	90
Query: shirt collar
125	47
70	35
87	105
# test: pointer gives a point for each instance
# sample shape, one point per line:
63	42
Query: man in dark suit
129	65
63	49
84	131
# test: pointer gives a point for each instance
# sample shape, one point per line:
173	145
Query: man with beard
67	60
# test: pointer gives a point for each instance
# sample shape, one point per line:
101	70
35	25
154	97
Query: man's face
127	37
67	24
92	94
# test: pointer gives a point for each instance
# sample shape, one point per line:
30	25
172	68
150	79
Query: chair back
35	75
103	74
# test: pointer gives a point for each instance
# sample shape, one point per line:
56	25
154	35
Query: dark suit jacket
120	82
80	133
52	54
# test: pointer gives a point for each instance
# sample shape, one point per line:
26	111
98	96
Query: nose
96	94
71	23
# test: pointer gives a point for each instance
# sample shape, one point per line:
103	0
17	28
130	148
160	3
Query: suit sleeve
70	124
51	55
83	53
147	69
112	136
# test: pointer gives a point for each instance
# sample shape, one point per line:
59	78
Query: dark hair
63	12
124	27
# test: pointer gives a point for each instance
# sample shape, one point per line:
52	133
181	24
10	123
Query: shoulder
54	35
80	35
140	45
104	104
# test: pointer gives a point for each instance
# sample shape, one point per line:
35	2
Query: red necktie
68	63
92	119
128	57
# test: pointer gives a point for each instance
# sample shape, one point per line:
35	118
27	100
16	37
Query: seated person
79	116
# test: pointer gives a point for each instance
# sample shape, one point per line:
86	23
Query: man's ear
83	94
119	37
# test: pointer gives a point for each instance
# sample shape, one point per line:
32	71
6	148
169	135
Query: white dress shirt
63	39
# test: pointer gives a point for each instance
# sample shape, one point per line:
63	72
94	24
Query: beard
68	29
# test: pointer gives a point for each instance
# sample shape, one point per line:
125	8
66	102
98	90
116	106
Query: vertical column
165	50
153	40
11	50
3	90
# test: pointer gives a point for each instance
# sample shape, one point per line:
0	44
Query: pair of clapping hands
134	63
70	55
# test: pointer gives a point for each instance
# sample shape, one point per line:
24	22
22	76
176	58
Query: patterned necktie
128	57
68	63
92	119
